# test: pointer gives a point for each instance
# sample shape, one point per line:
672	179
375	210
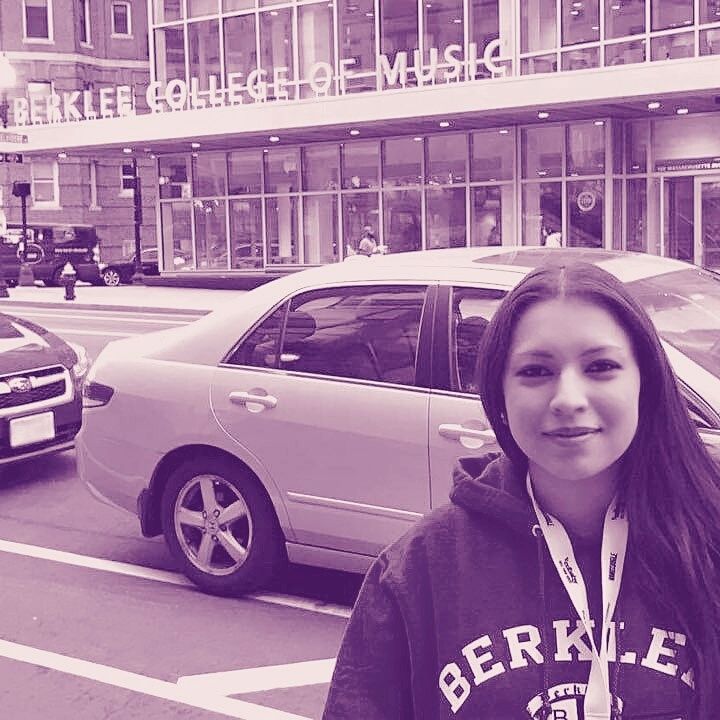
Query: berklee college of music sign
259	85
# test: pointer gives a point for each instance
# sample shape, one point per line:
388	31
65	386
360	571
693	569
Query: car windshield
685	307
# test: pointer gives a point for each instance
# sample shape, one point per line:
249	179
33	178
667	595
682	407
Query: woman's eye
531	371
603	366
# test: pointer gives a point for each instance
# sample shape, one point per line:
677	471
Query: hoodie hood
494	487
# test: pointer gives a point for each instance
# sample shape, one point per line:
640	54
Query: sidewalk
196	301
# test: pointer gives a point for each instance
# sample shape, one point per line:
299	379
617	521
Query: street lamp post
138	276
7	79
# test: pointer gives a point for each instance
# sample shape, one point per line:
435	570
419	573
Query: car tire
111	277
228	559
55	279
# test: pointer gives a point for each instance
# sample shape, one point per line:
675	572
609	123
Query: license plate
32	429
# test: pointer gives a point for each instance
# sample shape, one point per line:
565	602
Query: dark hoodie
466	617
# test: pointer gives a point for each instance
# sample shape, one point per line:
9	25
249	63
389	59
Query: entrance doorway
679	221
707	221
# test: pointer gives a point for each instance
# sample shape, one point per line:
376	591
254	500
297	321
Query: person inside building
575	573
367	245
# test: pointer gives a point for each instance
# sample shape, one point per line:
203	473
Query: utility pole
138	277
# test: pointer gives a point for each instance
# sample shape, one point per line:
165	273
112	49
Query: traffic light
21	189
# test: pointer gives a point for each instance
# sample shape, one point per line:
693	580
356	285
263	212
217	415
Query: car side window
366	333
260	347
471	310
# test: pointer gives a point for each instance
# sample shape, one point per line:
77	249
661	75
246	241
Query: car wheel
220	525
55	279
111	277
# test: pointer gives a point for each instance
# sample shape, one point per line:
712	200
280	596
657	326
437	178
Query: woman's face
572	388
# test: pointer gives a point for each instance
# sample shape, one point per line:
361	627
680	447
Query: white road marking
121	568
141	683
103	317
104	333
260	679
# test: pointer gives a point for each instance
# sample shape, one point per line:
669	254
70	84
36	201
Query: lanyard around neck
598	702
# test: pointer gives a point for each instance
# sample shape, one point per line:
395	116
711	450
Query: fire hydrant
68	276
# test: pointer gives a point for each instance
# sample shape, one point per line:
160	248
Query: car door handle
455	432
243	398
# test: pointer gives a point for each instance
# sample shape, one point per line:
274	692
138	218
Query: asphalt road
96	622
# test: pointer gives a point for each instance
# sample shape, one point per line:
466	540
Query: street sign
10	137
11	158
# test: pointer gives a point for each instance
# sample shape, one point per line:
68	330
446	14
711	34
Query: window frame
53	204
128	11
125	192
50	36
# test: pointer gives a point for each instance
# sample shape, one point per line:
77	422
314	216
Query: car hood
24	346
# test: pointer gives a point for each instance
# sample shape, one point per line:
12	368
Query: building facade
280	130
66	46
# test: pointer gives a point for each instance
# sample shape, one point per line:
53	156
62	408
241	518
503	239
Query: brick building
59	46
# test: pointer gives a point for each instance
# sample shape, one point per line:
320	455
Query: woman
577	576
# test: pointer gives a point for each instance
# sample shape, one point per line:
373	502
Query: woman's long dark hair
672	485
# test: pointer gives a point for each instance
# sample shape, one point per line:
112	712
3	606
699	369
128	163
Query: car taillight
95	394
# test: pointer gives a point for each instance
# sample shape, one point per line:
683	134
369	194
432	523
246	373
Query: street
98	623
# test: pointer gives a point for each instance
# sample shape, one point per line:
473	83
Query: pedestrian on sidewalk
575	574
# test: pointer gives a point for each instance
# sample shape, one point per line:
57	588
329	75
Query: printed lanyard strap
598	703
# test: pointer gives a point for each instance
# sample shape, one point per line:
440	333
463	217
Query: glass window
204	51
127	178
618	143
586	148
282	170
446	159
169	54
485	25
176	235
121	21
581	59
617	215
276	50
197	8
245	172
472	310
709	11
710	41
493	155
208	174
230	5
637	215
45	189
585	213
492	215
360	164
320	229
321	167
174	177
359	211
210	235
168	10
399	29
443	26
281	220
402	226
638	134
671	47
402	162
625	53
542	151
316	44
679	223
624	18
666	14
240	48
580	21
539	64
37	19
366	333
538	25
445	218
83	19
246	235
259	349
541	212
356	36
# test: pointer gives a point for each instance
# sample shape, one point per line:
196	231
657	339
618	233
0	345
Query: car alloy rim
111	277
213	524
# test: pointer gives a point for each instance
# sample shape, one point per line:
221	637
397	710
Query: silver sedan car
320	417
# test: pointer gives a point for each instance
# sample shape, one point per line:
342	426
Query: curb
10	302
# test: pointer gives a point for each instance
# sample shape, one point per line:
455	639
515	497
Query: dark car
40	390
121	271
